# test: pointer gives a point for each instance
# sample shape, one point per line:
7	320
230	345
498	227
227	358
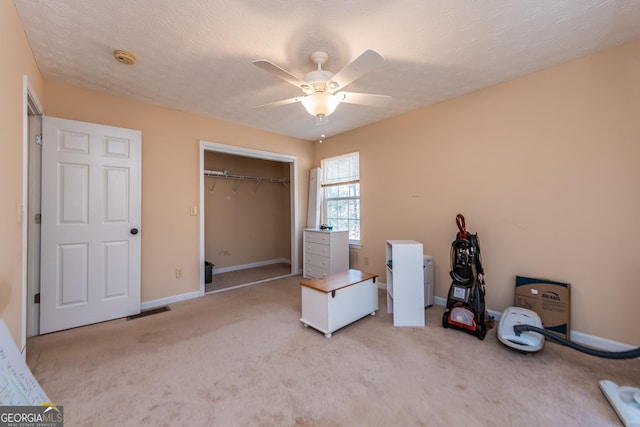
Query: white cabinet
325	252
335	301
405	282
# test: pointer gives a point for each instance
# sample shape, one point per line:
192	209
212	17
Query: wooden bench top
338	280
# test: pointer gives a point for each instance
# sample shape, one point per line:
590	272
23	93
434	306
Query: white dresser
324	252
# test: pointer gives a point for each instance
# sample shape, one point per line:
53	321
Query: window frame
326	200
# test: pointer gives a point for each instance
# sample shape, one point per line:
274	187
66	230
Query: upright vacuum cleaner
465	304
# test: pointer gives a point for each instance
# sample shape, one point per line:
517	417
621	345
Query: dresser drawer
317	248
315	272
317	260
324	238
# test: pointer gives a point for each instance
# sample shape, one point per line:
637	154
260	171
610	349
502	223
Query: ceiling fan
323	89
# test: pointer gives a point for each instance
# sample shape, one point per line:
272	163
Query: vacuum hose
629	354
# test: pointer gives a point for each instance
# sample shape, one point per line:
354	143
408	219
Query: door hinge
36	298
39	139
38	218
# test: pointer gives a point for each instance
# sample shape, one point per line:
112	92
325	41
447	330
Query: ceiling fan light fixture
321	103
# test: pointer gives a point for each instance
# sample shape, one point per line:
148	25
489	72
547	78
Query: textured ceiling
196	55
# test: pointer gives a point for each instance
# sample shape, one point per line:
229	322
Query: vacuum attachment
525	341
625	401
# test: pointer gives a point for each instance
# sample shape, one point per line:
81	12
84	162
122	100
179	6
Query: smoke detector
124	57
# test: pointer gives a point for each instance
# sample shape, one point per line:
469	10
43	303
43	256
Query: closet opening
248	216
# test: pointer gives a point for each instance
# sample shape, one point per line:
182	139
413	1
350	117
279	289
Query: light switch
194	210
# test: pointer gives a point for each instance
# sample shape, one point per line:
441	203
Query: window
341	201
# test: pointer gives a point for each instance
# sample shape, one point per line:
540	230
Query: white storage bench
331	302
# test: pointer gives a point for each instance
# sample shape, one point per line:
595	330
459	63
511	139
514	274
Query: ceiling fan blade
365	99
367	61
280	103
280	72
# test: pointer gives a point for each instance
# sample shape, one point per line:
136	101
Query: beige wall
17	61
246	222
170	175
546	169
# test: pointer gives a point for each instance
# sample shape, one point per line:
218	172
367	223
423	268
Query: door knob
134	231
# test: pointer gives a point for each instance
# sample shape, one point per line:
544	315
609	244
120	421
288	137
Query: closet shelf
228	175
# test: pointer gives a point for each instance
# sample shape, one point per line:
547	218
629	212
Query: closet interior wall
247	222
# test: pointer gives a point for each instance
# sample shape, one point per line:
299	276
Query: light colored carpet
232	279
242	358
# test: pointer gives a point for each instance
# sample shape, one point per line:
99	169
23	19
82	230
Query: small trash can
208	272
428	280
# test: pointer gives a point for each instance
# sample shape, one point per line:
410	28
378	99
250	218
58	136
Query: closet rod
228	175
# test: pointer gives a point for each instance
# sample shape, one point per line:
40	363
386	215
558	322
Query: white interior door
90	249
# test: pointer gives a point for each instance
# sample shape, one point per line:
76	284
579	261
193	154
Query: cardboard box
549	299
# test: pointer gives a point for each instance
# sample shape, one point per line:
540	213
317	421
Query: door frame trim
31	102
259	154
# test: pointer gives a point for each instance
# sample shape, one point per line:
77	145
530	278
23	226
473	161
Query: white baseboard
250	265
599	343
169	300
577	337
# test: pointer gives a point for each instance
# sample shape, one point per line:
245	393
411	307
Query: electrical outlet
366	260
179	273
